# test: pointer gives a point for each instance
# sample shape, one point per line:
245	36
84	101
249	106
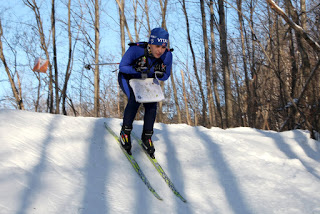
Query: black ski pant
133	106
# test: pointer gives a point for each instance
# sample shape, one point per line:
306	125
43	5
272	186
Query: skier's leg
149	119
129	114
132	106
149	116
130	110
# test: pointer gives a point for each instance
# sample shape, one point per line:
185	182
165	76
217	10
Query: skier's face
157	50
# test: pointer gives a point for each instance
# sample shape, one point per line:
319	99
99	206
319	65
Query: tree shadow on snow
142	194
286	149
174	167
94	199
34	183
302	140
226	177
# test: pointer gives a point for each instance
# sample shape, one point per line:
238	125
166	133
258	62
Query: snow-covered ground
59	164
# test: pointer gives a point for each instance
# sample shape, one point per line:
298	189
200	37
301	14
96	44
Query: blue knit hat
159	36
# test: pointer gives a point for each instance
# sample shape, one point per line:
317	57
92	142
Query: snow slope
59	164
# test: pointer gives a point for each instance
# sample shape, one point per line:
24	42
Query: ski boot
125	139
147	143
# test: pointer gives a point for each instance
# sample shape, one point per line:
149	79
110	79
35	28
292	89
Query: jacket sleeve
168	62
127	59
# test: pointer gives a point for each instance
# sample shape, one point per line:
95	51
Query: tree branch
297	28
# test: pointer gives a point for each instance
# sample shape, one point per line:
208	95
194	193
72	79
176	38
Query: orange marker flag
40	65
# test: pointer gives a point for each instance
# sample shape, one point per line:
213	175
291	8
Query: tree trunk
68	69
225	65
176	100
245	68
303	14
136	31
254	75
207	65
163	13
194	100
121	96
298	29
164	26
33	5
146	8
185	99
14	89
121	8
219	120
55	65
204	104
96	53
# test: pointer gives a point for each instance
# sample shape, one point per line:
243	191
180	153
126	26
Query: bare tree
96	53
17	94
135	11
185	99
146	9
122	16
249	97
123	25
315	45
225	64
193	100
214	67
44	46
69	64
305	97
176	100
55	64
163	7
207	65
204	109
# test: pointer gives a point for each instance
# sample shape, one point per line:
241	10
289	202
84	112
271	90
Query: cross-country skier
140	61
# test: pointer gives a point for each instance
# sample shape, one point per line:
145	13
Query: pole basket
40	65
88	67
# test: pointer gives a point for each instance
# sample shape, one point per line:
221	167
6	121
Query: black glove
158	74
141	64
159	70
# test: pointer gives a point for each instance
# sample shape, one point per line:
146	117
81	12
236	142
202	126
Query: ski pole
88	66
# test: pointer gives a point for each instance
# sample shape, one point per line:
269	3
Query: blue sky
16	14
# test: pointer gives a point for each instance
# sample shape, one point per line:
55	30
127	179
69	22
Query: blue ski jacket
127	70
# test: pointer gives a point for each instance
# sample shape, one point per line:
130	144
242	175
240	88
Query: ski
159	169
134	163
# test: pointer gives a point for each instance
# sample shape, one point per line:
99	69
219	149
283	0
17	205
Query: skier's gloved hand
141	64
158	74
140	69
159	70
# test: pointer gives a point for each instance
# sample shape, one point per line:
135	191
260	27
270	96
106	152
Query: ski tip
161	199
182	198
